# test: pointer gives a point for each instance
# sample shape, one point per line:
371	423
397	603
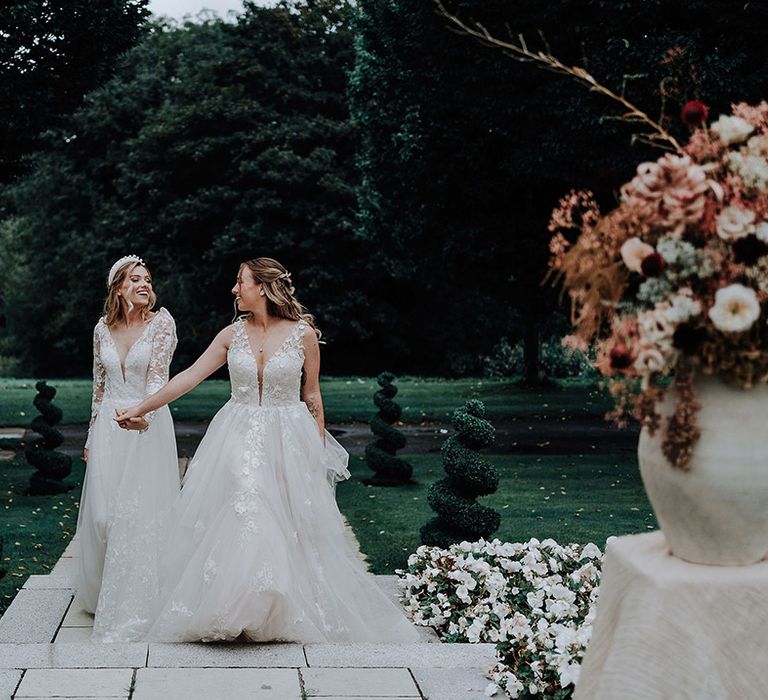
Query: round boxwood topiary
459	516
380	455
52	467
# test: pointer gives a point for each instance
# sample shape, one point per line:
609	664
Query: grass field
35	529
346	399
575	498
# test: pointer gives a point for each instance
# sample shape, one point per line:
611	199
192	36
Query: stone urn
715	512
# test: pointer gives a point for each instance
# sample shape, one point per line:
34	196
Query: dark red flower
653	265
621	357
694	113
689	338
749	249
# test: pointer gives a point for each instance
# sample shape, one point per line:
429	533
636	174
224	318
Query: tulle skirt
256	545
131	481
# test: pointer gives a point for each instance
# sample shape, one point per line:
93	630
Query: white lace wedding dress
130	481
256	544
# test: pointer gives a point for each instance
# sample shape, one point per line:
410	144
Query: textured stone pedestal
46	652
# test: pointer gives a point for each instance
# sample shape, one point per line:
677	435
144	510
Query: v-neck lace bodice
281	375
142	372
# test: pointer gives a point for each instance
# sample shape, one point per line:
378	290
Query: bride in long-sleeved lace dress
132	475
256	546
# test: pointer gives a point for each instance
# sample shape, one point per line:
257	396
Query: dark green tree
214	143
52	467
389	470
459	516
51	53
464	151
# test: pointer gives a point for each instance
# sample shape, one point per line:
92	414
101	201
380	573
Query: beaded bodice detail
281	376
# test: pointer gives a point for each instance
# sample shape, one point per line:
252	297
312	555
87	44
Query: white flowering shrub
535	601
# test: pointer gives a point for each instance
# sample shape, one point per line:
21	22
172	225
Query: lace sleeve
163	344
99	381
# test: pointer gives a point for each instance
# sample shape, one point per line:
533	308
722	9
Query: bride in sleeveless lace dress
132	476
256	546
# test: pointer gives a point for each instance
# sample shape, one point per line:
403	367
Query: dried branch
658	135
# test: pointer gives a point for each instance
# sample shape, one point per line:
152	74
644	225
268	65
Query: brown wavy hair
279	290
113	309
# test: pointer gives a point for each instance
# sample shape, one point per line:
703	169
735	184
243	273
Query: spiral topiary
380	455
51	466
459	516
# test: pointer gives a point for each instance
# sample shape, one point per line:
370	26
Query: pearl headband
113	270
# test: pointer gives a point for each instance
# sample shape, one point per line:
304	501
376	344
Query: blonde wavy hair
113	309
279	290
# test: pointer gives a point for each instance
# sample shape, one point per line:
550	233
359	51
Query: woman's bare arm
214	357
311	390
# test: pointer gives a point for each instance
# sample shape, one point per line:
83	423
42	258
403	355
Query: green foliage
52	467
389	470
52	52
213	143
470	474
507	360
465	151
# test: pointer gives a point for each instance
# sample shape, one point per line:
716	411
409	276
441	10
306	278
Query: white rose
682	307
761	230
732	129
735	222
735	309
633	252
649	360
654	327
753	170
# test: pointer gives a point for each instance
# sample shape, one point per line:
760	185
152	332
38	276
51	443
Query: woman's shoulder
162	317
228	333
307	332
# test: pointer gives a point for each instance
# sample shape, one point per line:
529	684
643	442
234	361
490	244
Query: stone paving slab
34	615
9	680
366	697
73	635
77	617
210	683
76	682
12	433
66	566
72	549
382	682
48	581
73	655
401	655
452	684
226	655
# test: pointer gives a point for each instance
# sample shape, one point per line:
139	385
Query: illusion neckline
278	351
124	361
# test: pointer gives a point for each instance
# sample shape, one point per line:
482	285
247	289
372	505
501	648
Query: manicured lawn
346	398
575	498
35	529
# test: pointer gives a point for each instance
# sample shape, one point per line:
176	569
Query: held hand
126	416
134	424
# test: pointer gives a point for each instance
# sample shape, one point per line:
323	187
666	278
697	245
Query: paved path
45	652
531	435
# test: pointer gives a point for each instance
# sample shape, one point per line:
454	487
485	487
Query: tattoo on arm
314	407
